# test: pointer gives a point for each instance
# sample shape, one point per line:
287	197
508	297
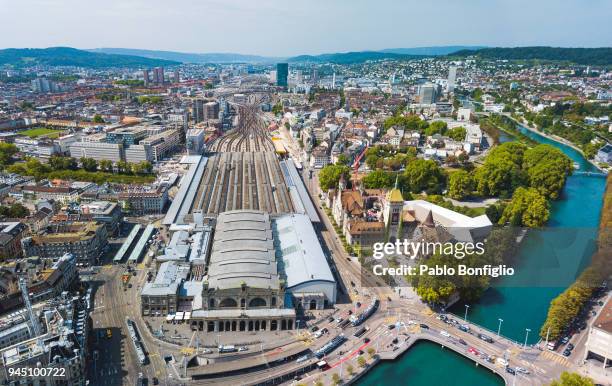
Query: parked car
567	352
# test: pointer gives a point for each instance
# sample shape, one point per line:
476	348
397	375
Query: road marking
556	357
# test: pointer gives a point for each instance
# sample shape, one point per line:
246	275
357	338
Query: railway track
249	136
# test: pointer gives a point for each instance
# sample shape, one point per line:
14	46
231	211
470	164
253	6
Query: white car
243	348
521	370
444	333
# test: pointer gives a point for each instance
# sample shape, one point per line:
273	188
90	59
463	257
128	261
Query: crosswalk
556	357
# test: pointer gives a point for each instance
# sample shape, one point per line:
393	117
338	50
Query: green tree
502	171
89	164
98	119
572	379
436	127
63	163
106	165
371	161
7	151
342	159
528	208
361	361
330	175
16	210
547	168
123	167
457	133
371	352
335	379
277	109
424	175
460	185
379	179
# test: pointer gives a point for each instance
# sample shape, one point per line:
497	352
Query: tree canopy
460	185
528	207
330	175
572	379
424	175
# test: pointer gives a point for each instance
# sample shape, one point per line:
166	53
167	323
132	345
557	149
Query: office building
44	85
127	136
138	153
197	111
211	111
158	75
427	94
145	77
282	74
97	150
452	75
195	141
86	241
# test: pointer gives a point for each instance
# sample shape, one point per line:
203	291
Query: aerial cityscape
264	193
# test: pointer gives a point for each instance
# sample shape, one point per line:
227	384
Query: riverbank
555	138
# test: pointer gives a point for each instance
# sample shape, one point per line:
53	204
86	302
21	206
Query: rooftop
243	251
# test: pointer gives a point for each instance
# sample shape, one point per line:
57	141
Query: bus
228	348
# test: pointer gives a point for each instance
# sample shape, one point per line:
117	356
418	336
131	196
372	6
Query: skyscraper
198	110
452	75
282	73
145	77
158	75
427	94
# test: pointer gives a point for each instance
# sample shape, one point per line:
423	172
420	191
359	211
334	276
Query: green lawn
40	131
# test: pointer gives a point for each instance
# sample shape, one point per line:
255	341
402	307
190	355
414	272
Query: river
548	262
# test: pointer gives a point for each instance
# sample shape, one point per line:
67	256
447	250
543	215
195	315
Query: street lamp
527	330
467	307
499	327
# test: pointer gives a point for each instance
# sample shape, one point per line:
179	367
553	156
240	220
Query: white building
97	150
599	341
195	141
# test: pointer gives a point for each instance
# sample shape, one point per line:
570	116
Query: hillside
586	56
351	57
430	51
66	56
188	57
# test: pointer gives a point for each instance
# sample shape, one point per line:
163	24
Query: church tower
392	211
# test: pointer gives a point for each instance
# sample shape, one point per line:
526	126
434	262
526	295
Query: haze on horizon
289	27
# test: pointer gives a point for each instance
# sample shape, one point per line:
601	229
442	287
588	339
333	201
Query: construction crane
23	285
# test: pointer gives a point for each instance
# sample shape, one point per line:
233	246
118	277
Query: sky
293	27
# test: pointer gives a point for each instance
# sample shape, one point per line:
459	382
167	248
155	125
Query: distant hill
186	57
430	51
351	57
586	56
66	56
